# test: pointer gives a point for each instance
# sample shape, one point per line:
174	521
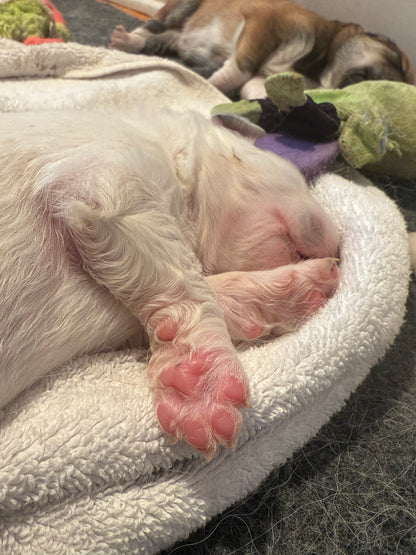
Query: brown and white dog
167	223
238	43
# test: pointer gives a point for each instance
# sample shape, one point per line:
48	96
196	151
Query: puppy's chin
363	58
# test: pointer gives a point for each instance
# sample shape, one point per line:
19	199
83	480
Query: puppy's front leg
249	52
143	41
273	302
196	377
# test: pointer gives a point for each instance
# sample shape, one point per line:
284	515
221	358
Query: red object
40	40
57	17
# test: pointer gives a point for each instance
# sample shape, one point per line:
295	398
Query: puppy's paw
308	287
274	302
128	42
198	390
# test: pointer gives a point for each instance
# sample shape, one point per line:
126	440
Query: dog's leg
175	13
254	88
273	302
249	51
231	76
158	36
129	42
143	41
262	53
197	381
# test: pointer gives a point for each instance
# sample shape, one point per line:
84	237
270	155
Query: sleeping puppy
237	44
107	231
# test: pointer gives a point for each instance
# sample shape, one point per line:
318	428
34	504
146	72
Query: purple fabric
310	157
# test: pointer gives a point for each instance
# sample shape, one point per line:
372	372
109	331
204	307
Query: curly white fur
107	230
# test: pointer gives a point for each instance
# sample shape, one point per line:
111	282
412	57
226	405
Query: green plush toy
378	130
378	119
20	19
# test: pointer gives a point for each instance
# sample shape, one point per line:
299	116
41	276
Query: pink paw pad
253	331
167	330
226	424
329	279
199	397
185	376
234	390
175	418
167	417
204	431
198	435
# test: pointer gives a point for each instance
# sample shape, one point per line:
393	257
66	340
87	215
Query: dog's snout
313	229
319	234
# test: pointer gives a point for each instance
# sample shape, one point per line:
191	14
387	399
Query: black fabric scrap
316	122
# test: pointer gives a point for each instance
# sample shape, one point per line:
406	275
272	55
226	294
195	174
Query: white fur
281	60
208	42
229	76
130	42
285	57
105	230
253	89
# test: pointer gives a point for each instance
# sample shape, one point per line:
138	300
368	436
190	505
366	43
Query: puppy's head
364	56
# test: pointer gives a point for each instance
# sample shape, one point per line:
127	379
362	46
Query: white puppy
162	223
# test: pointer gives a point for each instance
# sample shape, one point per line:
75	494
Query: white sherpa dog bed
84	466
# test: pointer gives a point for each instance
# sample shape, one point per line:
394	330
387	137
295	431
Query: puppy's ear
396	57
241	125
409	76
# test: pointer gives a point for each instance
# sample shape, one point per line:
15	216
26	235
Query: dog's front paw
273	302
198	390
128	42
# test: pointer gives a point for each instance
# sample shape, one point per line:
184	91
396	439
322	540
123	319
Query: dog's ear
407	69
396	57
241	125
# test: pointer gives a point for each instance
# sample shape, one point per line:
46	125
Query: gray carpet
352	489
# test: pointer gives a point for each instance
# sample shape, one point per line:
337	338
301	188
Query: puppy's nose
319	235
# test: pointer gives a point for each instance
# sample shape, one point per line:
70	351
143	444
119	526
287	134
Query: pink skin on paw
167	417
167	330
274	302
217	425
197	396
197	435
168	413
233	389
253	331
316	299
184	376
226	424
